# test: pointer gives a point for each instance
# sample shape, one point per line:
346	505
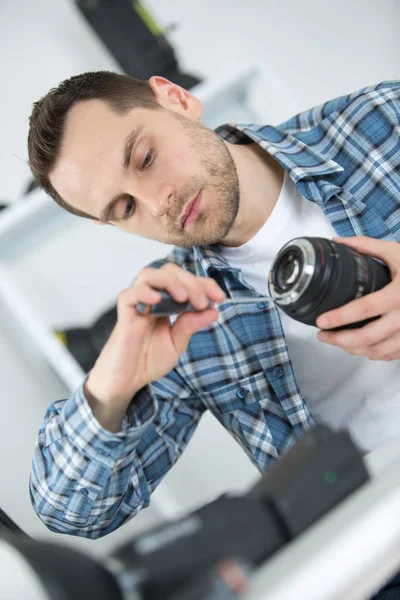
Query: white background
310	52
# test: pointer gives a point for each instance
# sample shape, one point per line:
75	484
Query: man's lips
191	211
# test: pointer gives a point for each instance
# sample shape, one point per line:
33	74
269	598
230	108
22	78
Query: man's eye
147	159
129	209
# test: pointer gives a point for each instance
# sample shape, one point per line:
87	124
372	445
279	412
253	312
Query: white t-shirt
341	390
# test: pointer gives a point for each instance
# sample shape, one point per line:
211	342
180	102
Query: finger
127	299
183	285
199	289
366	336
212	289
389	349
389	252
168	278
189	323
179	284
370	305
389	358
140	292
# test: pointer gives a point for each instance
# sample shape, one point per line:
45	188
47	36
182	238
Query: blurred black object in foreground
86	343
208	554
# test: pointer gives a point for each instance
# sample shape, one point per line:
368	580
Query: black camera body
312	275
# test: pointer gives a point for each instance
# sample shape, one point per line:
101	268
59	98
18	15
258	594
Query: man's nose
159	200
162	204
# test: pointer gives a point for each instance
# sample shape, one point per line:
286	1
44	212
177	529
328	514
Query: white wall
310	51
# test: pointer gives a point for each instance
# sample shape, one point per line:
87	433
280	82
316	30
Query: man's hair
47	121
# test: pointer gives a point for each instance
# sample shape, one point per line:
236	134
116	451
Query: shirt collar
296	157
209	258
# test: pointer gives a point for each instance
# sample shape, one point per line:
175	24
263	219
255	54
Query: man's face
168	176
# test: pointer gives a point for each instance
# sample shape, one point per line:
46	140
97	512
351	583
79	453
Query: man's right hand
143	348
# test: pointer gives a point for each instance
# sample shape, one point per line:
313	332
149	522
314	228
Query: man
135	155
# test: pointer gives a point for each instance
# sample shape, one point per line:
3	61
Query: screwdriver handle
168	306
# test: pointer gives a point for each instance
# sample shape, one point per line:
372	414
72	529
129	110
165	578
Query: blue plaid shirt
343	155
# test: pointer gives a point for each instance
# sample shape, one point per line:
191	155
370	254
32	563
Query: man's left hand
380	339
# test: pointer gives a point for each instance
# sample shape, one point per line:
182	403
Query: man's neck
260	182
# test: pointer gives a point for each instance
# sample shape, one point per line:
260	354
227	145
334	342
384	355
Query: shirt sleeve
86	480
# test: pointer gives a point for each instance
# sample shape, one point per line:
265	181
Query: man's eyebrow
106	212
129	143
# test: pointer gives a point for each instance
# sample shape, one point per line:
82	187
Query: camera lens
313	275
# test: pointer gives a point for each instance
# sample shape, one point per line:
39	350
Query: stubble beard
220	182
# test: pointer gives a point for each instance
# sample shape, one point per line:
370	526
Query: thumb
189	323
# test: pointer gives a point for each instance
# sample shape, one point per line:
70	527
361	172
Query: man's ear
173	97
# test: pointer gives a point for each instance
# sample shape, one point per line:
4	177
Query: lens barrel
312	275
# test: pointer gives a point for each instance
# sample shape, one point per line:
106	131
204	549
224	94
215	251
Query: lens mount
299	278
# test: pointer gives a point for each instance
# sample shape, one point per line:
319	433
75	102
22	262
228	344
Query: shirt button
261	305
85	491
278	372
242	393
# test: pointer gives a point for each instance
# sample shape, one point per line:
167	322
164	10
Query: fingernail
323	322
204	300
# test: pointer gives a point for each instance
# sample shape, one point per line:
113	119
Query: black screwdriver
168	306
